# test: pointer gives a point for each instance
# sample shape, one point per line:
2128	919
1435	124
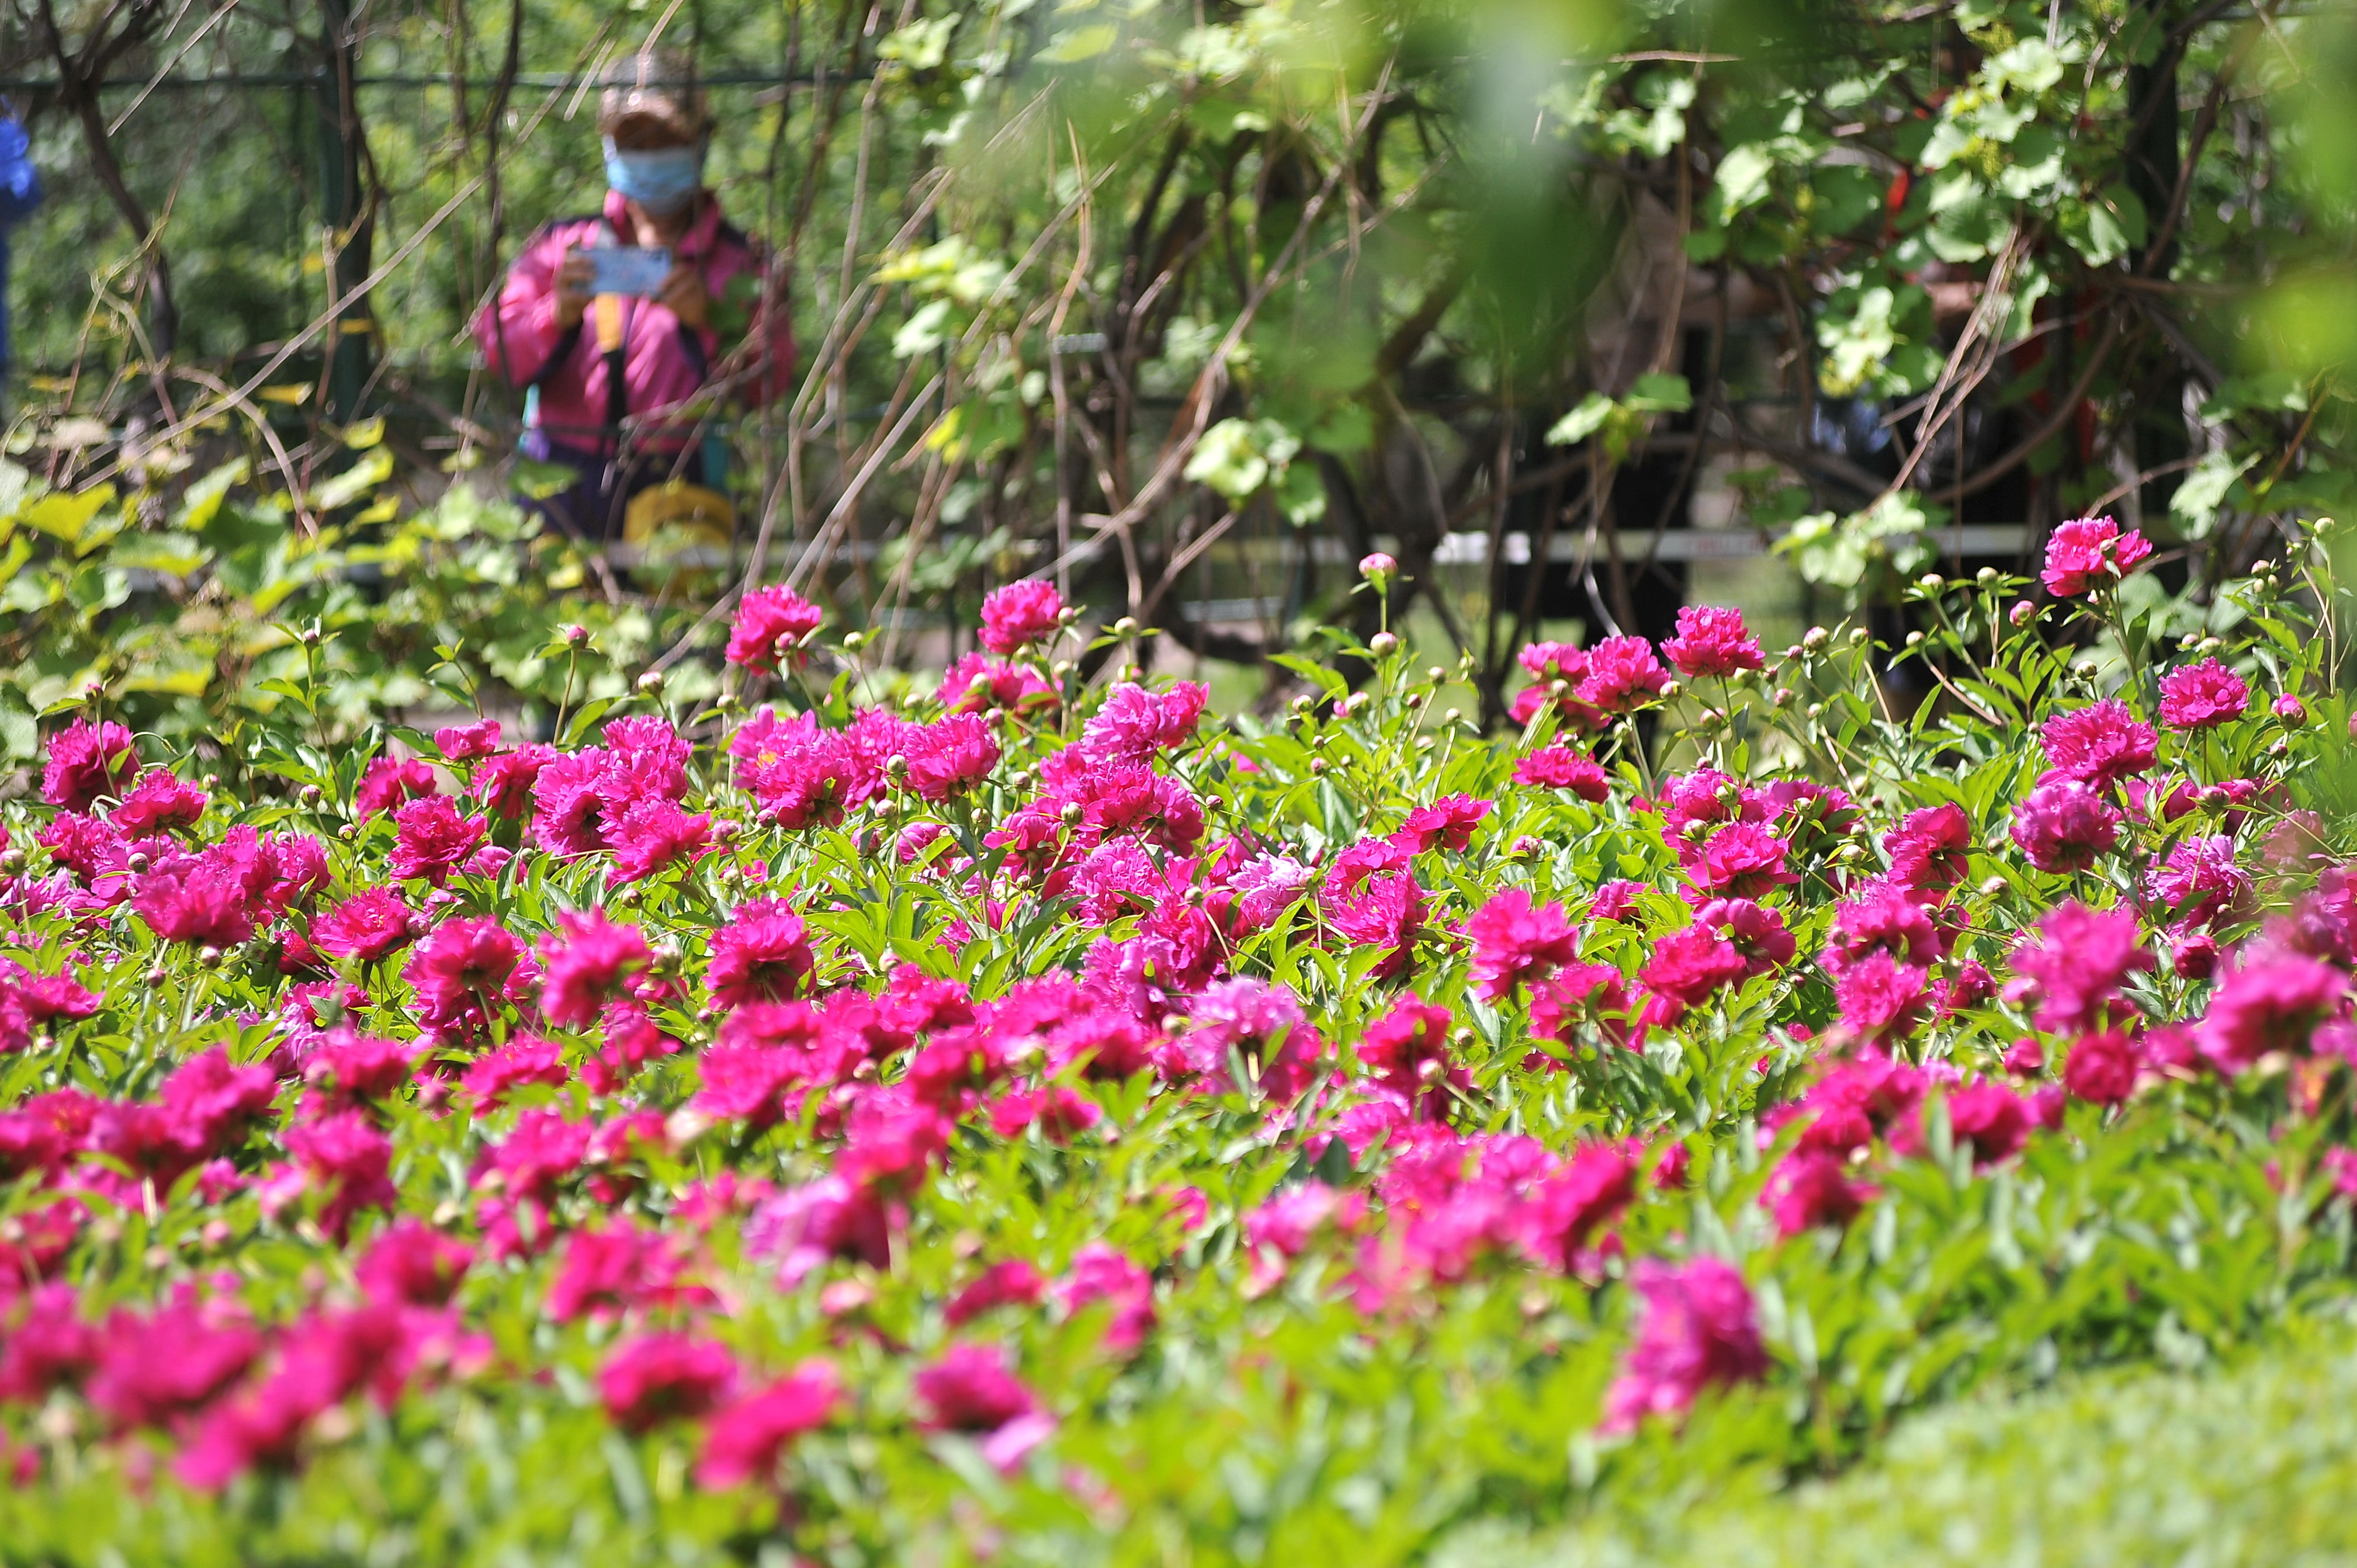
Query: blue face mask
661	181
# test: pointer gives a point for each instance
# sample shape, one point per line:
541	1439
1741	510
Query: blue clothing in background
20	192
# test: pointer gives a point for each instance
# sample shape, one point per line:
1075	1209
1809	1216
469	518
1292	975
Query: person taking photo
625	361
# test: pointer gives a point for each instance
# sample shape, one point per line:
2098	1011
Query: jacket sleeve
518	331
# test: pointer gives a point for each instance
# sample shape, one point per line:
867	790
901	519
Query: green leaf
1081	43
1582	422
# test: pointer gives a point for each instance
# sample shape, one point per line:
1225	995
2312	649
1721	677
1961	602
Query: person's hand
574	280
682	294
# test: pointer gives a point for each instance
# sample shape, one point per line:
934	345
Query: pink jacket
664	363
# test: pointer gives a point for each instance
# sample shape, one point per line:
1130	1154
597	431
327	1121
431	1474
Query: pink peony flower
2199	696
345	1156
503	783
1370	899
201	902
1741	860
154	1369
653	833
389	781
587	965
364	928
348	1069
2061	827
1755	932
2078	964
2269	1003
657	1378
978	683
432	839
1135	726
1447	824
1102	1274
969	1389
1930	849
1687	968
2101	1068
1713	641
465	743
1884	920
1623	675
769	623
2088	552
1516	944
460	971
1020	614
1011	1282
414	1264
525	1060
743	1438
159	803
1559	768
763	955
2099	745
1992	1120
1810	1187
87	762
1881	998
1406	1050
1699	1330
2201	884
1267	886
802	775
1616	901
950	755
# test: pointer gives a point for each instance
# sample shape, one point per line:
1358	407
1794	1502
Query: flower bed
1034	1122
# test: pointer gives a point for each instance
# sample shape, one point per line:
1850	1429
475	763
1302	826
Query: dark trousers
590	509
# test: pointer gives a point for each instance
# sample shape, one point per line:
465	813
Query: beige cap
657	86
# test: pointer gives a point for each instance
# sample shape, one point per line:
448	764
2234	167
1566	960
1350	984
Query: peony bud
2289	709
1374	568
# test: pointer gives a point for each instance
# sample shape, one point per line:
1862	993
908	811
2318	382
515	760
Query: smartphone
628	269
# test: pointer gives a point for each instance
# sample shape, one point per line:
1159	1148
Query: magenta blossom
87	762
2270	1004
2200	696
770	623
1020	614
2062	827
763	955
465	743
1559	768
2077	966
433	839
390	780
2088	553
587	965
1713	641
159	803
1623	675
1516	942
1699	1330
743	1439
2099	745
661	1377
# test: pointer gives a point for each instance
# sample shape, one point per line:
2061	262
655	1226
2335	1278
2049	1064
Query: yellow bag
690	513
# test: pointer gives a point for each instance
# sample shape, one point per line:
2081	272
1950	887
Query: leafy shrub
1042	1122
2248	1465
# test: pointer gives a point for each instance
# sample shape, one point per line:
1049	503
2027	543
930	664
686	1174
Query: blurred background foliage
1582	310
